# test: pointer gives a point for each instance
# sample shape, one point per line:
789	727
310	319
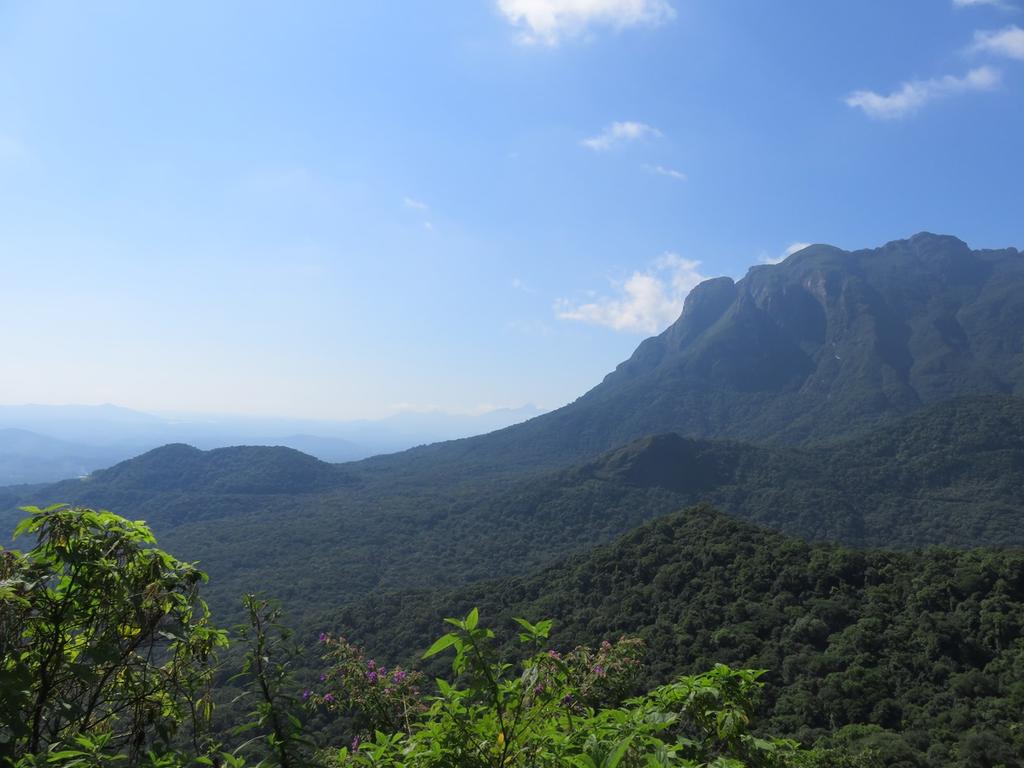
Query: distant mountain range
952	474
870	399
41	444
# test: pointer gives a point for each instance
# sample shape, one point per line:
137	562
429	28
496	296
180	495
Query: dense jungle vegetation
314	533
919	655
109	658
869	399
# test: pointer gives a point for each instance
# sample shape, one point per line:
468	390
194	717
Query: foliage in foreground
108	657
555	710
918	656
100	634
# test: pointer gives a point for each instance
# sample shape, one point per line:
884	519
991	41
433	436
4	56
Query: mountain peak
235	470
931	238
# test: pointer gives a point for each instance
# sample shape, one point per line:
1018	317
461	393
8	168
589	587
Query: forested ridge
316	533
850	425
918	655
109	656
822	346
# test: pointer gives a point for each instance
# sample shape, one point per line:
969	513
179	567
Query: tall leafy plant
105	644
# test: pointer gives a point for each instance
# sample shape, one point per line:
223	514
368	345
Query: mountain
918	656
82	438
99	425
28	457
804	356
178	483
322	534
238	470
870	398
824	345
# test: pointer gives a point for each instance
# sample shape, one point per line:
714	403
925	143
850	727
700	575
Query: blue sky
338	209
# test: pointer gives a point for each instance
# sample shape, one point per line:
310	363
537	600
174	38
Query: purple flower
371	664
567	700
306	695
354	746
328	697
398	675
322	678
538	689
554	654
371	676
599	671
323	637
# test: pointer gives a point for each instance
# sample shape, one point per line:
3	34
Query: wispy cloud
419	205
661	170
975	3
790	250
1007	42
620	133
645	302
521	285
913	95
547	22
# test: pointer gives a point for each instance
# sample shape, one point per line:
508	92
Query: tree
103	640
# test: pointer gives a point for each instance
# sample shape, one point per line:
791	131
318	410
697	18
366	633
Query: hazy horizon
329	212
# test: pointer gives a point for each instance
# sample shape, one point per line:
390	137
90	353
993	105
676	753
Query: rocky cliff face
849	336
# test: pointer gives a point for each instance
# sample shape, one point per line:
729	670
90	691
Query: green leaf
525	625
440	644
616	755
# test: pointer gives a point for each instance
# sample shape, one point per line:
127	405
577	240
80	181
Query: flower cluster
377	698
598	677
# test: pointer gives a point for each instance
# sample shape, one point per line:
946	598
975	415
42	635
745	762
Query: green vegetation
880	397
553	710
108	661
949	475
102	637
826	345
918	655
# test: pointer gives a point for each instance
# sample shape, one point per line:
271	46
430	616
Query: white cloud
415	204
619	133
790	250
1007	42
975	3
661	170
647	301
549	21
915	94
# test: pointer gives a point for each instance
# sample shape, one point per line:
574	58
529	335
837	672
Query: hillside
29	457
917	655
952	474
822	346
51	443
